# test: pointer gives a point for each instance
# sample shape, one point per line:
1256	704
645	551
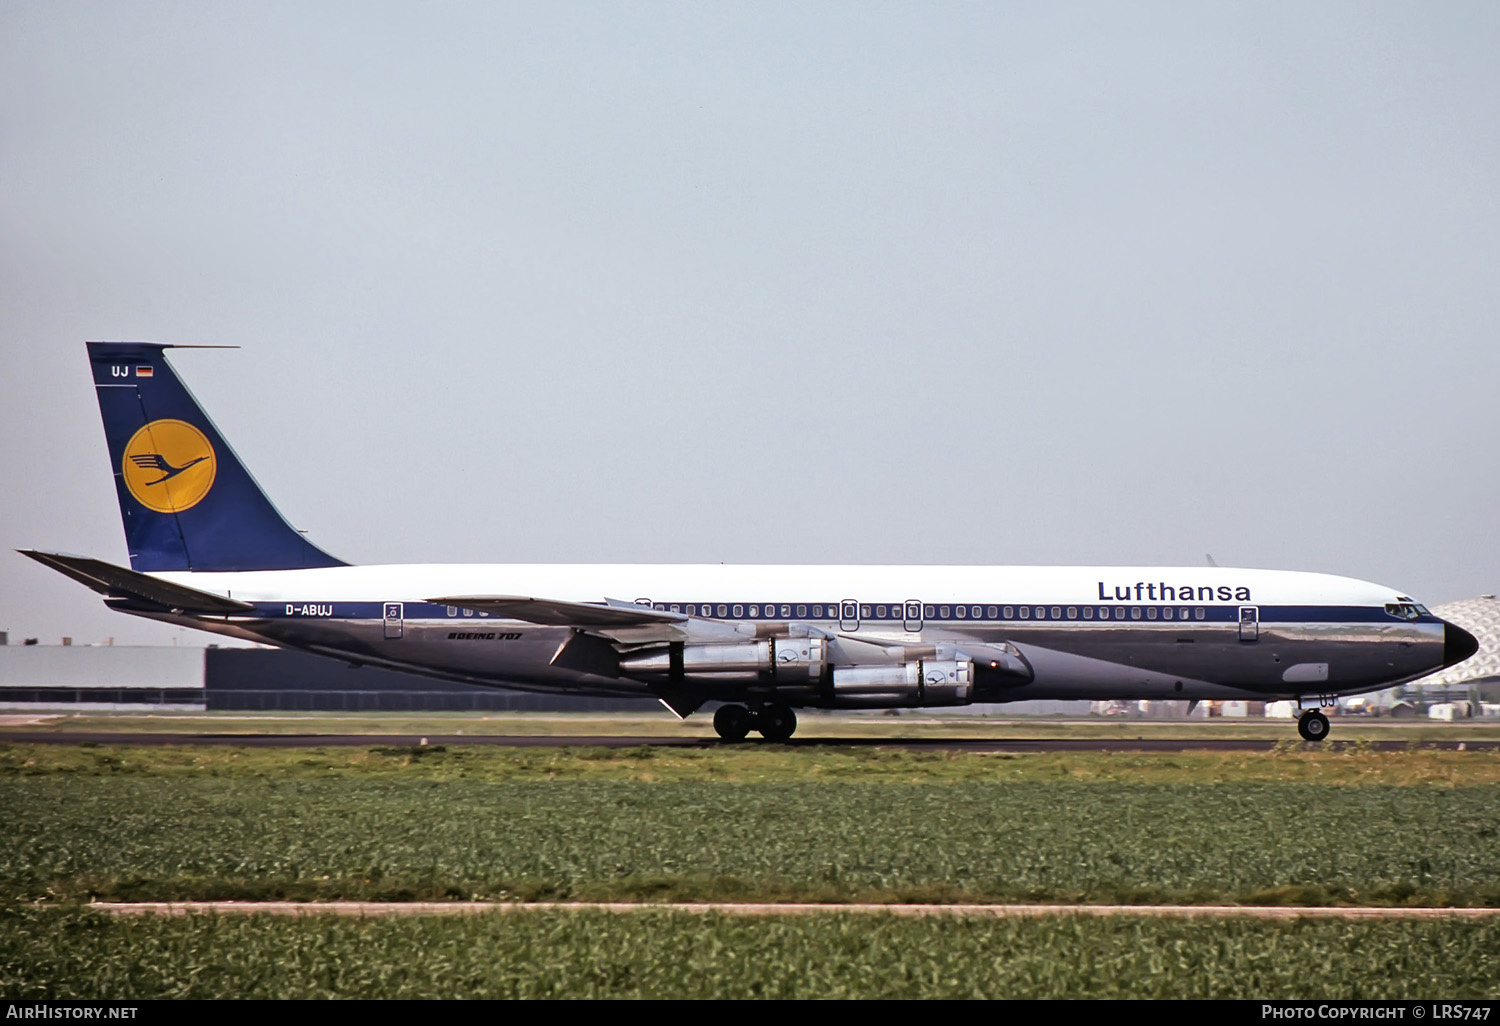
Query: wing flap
617	620
557	613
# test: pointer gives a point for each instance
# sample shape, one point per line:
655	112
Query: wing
614	619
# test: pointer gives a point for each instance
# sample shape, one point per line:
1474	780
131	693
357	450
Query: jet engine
920	682
782	660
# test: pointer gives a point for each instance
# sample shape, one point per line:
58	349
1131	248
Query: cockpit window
1405	610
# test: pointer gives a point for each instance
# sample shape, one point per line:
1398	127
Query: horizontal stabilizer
556	613
117	582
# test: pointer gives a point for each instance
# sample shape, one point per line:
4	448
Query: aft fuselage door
848	615
1249	623
393	620
913	615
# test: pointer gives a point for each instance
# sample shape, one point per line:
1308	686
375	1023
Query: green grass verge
418	825
73	954
1351	763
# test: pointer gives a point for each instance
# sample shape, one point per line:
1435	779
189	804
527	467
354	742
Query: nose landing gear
1313	726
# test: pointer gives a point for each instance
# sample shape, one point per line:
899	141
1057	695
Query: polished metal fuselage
1067	660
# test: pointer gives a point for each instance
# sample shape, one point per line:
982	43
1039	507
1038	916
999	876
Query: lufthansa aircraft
208	550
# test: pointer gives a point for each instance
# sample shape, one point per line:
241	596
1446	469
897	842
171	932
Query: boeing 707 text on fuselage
208	550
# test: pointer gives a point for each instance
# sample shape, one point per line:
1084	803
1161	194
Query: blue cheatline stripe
894	615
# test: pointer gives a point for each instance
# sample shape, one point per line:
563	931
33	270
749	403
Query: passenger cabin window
1072	612
1057	612
1151	612
1166	613
1199	613
1135	612
1010	612
1088	612
943	612
1026	612
1119	612
992	612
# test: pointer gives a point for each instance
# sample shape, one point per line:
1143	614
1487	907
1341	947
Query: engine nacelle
784	660
800	660
920	682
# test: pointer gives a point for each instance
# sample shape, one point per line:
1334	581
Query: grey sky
979	283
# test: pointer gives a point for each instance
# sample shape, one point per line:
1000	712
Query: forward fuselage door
913	616
848	615
1249	623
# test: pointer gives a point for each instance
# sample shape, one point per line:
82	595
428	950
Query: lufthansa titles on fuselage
1158	592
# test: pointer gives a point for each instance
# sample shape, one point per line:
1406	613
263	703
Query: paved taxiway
1010	746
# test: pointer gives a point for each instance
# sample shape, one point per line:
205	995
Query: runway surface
362	909
1006	745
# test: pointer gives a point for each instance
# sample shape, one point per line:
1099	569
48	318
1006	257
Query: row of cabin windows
908	611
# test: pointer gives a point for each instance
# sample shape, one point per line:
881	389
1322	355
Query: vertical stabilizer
186	500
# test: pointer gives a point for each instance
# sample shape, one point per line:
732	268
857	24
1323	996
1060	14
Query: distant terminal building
101	677
279	680
86	678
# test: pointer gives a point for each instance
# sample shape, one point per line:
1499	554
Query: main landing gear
1313	726
776	722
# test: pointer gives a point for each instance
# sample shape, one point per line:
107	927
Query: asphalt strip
362	909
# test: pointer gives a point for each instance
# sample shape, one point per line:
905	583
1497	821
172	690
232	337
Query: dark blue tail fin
187	501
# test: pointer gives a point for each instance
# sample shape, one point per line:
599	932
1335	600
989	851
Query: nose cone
1458	644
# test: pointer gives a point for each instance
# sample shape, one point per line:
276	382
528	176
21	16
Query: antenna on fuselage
1210	559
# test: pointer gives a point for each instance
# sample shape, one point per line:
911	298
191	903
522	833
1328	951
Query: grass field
755	822
1341	823
62	954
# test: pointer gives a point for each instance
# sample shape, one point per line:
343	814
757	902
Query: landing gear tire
1313	726
732	722
776	722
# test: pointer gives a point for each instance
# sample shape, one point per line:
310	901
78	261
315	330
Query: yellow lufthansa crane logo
169	466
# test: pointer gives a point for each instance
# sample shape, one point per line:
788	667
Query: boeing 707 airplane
208	550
